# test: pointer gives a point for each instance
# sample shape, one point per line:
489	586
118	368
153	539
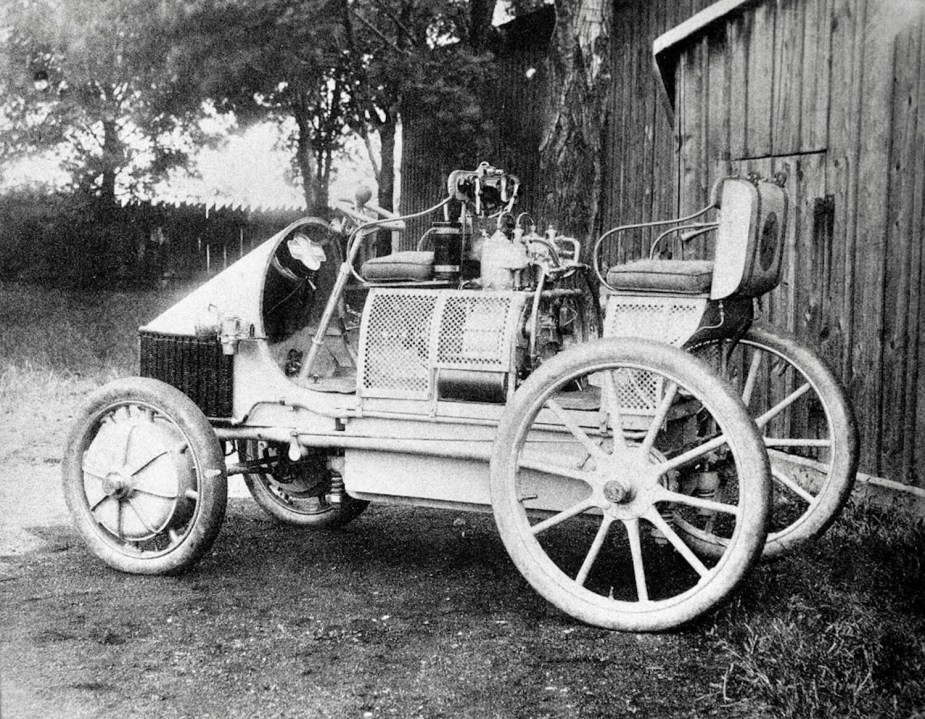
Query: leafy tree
85	78
426	61
271	59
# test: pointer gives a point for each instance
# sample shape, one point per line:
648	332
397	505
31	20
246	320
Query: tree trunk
386	178
305	158
481	13
111	162
580	80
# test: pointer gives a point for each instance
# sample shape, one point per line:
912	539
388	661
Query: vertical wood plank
718	100
812	247
815	74
872	198
739	30
842	174
692	150
898	270
788	78
913	465
760	80
665	164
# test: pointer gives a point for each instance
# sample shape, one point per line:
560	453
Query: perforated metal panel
671	320
475	332
409	334
395	344
667	319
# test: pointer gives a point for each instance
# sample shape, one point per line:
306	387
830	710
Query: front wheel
594	459
144	477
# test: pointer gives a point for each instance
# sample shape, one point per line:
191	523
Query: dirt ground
405	612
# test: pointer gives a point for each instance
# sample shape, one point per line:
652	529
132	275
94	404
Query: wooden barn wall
640	181
833	90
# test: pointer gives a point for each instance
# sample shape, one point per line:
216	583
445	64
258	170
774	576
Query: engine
521	298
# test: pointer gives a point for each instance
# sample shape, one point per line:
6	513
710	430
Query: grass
56	335
836	630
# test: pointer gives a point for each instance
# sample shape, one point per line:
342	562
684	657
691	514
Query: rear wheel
144	477
306	493
808	427
591	463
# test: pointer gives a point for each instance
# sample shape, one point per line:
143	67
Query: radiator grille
198	368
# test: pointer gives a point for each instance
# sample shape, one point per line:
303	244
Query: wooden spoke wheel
588	473
808	428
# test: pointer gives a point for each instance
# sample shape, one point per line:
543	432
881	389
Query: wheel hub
626	485
116	485
618	492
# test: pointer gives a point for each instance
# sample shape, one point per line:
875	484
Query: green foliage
109	109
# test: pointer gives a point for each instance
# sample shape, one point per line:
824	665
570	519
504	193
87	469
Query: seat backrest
750	238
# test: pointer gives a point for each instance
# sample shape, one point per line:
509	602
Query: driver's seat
400	267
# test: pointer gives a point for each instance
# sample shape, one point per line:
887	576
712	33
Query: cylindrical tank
447	250
501	258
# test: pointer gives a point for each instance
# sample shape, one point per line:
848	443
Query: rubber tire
526	552
843	429
336	516
207	455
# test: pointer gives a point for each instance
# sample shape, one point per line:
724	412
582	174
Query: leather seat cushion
399	267
689	277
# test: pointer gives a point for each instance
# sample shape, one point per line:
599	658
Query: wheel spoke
141	515
781	442
547	467
139	467
565	514
632	533
793	486
692	501
659	418
782	405
191	494
142	490
99	502
94	471
691	454
594	550
593	448
613	409
750	379
128	442
653	516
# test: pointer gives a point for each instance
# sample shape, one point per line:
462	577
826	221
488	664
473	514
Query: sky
247	169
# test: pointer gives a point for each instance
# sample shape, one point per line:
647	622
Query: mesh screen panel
396	349
473	332
671	320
